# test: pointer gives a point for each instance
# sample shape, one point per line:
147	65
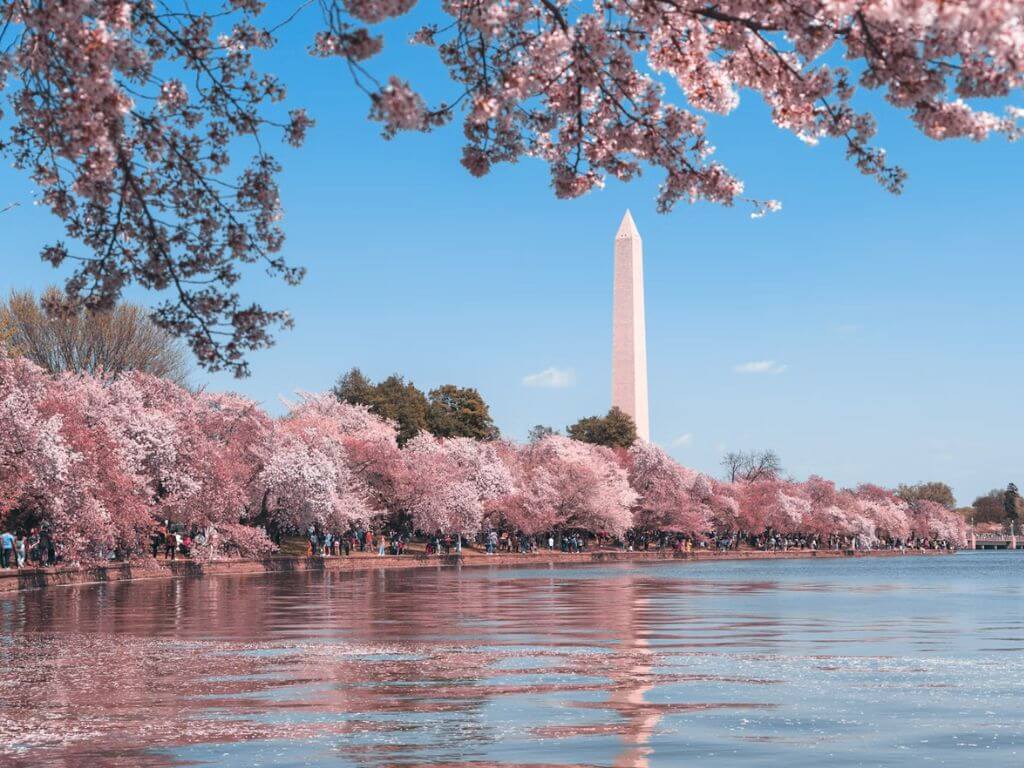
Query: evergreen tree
1011	502
354	388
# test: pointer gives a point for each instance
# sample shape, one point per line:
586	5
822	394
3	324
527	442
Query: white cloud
683	439
551	378
760	366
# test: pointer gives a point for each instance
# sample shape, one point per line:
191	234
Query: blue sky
891	327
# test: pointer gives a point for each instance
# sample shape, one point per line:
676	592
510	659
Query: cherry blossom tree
449	483
829	510
931	520
666	501
35	461
720	502
69	465
201	451
309	477
308	483
245	541
890	514
773	504
98	460
103	507
564	484
126	115
129	114
369	441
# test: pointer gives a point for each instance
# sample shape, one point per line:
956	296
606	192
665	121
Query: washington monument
629	337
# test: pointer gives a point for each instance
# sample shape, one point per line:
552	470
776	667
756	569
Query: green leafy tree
615	429
402	402
935	491
394	398
459	412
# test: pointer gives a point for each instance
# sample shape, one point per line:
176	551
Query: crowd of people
19	549
169	540
327	544
172	540
778	542
495	541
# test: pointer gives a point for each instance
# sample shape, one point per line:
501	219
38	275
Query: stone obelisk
629	337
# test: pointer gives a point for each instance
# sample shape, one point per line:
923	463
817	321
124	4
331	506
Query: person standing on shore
6	549
156	540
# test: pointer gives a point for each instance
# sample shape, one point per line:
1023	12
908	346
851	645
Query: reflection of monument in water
629	338
629	393
632	684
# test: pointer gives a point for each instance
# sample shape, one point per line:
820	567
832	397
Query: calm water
872	662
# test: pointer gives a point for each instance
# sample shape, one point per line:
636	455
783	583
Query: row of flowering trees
97	460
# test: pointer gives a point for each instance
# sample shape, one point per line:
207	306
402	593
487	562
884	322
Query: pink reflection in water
124	674
418	668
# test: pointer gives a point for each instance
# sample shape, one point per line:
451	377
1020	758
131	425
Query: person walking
20	549
6	549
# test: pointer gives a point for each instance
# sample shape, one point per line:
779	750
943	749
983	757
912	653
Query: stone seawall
12	580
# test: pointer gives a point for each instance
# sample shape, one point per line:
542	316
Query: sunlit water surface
874	662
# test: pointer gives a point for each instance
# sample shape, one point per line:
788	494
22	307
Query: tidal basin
869	661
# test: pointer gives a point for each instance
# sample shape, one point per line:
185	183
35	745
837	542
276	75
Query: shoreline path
36	578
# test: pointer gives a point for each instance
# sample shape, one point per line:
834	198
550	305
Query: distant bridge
995	541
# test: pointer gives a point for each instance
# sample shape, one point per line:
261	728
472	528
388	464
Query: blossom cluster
129	115
599	89
97	460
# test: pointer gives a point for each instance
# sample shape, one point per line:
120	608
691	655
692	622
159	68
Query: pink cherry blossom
889	514
666	497
99	460
447	484
773	504
310	477
131	116
565	484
